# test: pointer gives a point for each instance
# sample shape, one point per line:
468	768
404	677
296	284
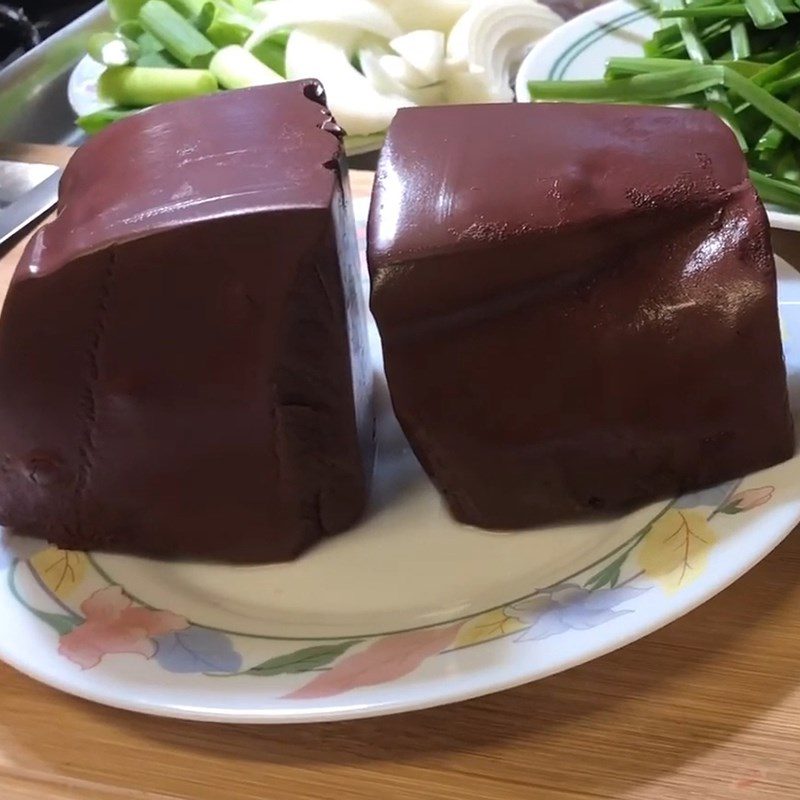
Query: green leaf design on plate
305	660
609	575
60	623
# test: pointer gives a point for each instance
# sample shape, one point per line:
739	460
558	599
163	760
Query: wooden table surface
708	707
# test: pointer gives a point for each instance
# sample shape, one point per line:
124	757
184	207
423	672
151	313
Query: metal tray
33	90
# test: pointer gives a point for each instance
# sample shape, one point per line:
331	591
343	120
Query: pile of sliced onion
376	56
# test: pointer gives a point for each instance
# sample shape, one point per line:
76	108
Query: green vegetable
272	52
765	13
138	87
179	38
94	123
149	44
160	59
670	85
191	9
131	29
774	190
740	41
224	25
237	68
740	60
112	50
122	10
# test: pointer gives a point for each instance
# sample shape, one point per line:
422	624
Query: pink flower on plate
748	499
114	624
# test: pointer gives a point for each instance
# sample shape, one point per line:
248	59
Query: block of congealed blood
577	305
183	353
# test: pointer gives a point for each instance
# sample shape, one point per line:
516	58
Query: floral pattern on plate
668	552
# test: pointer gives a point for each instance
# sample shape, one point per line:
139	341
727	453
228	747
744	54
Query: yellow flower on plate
675	550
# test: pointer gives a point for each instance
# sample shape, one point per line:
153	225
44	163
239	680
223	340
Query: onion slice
361	15
355	103
492	38
423	50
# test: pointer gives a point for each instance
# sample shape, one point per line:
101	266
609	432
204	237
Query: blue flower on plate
197	649
571	607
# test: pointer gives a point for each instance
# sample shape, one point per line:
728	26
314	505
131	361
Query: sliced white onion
361	15
403	72
424	51
439	15
325	52
371	59
492	38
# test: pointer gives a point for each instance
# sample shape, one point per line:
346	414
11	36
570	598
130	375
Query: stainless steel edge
33	90
31	206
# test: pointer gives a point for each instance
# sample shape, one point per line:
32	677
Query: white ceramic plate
408	611
578	50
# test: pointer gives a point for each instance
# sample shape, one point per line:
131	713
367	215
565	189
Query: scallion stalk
740	42
765	13
234	67
96	122
774	190
657	86
138	87
112	50
178	36
122	10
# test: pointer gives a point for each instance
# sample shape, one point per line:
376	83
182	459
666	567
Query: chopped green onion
94	123
131	29
670	85
620	66
112	50
740	41
765	13
780	69
224	25
177	35
272	51
122	10
774	190
148	43
777	111
138	87
234	67
191	9
161	60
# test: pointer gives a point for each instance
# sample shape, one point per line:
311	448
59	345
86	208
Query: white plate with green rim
578	50
408	611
